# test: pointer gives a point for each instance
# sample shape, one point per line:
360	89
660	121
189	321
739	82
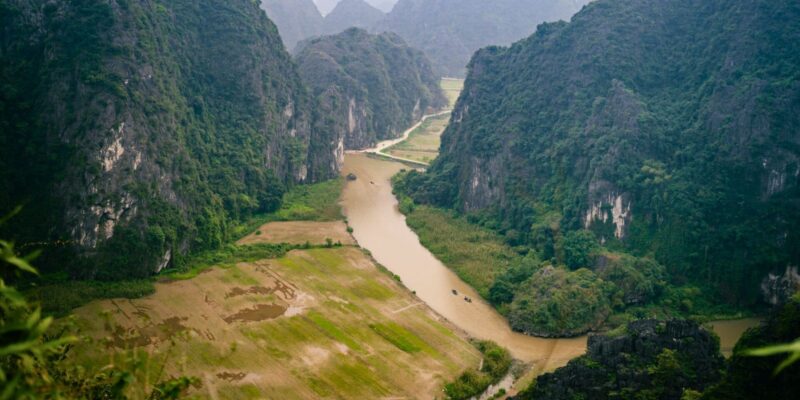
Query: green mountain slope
136	132
667	128
370	87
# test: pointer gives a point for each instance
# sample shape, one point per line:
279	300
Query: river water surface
371	210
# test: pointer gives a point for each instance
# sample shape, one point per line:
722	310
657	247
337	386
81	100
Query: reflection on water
371	210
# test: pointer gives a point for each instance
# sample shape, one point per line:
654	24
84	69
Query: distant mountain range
352	14
450	31
326	6
370	87
298	20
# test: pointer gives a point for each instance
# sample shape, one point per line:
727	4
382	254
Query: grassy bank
476	254
545	297
496	364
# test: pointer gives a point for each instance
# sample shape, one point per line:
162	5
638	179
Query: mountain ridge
161	147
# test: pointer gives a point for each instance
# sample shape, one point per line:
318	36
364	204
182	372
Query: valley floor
316	323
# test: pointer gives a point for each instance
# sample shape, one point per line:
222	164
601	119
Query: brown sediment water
731	331
379	227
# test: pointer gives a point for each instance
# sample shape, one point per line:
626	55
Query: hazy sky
325	6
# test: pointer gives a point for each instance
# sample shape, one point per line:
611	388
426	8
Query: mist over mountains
326	6
298	20
448	31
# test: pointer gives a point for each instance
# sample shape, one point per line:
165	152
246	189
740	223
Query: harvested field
300	232
319	323
452	89
423	143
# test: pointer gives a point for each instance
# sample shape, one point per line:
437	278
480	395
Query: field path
381	146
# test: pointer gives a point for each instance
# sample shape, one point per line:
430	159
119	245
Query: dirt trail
381	146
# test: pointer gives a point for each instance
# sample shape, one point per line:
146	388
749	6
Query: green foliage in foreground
496	364
759	368
792	349
33	359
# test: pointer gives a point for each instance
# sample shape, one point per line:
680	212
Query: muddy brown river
730	332
371	209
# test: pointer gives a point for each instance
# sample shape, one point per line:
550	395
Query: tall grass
477	255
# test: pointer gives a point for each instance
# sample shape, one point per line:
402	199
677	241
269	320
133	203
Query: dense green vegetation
751	377
476	255
548	297
58	294
626	142
496	364
450	31
647	360
370	87
677	360
557	302
184	119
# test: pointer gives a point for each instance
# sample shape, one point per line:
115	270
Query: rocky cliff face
648	122
779	288
135	132
372	87
651	359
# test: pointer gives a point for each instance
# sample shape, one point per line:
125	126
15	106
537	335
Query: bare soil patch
300	232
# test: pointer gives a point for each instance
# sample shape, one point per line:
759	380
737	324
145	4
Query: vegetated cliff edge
648	359
369	87
677	360
755	378
668	128
135	132
450	31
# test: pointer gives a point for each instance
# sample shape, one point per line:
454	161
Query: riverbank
313	319
378	226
